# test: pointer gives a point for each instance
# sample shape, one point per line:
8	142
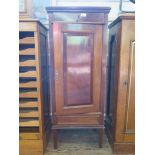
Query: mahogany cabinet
34	115
120	111
78	55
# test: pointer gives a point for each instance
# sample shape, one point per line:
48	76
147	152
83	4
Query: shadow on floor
78	142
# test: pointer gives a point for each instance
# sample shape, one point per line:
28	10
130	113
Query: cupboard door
130	107
77	60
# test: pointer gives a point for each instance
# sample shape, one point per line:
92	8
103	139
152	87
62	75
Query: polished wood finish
78	56
34	122
77	70
81	9
89	72
120	116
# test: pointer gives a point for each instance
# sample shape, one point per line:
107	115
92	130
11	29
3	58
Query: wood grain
28	113
27	74
27	104
29	94
29	136
33	129
27	63
60	84
30	84
27	40
30	147
28	123
120	120
78	54
27	51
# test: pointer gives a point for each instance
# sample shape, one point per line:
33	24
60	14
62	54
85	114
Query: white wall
41	14
114	4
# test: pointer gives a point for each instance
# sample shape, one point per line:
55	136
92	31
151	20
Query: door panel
77	60
77	68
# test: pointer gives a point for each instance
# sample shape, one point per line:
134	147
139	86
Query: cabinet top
34	21
79	9
126	16
78	14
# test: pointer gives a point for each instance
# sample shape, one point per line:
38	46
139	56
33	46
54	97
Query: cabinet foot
55	139
100	138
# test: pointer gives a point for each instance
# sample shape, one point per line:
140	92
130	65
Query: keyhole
125	82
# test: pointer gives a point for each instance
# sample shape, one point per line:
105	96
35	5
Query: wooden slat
28	113
27	26
28	123
29	136
28	74
30	94
31	147
30	84
27	40
28	104
27	63
28	51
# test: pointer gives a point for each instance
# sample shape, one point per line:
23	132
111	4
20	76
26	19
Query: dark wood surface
78	14
80	9
78	68
120	120
77	92
77	72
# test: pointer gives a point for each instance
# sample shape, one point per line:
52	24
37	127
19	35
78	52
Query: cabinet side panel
44	77
45	85
112	79
125	100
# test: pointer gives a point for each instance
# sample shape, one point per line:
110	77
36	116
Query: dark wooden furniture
78	59
34	118
120	116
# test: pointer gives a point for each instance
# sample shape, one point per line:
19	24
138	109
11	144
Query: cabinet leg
55	138
100	140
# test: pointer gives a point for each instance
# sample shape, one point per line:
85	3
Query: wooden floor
78	142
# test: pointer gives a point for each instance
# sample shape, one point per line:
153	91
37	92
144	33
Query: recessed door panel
77	49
